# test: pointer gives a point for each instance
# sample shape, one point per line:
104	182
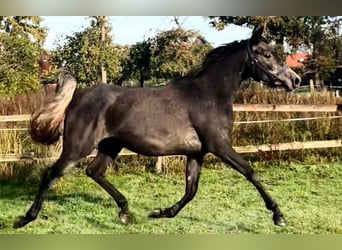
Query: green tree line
92	52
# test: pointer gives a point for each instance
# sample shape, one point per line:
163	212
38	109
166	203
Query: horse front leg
192	175
232	158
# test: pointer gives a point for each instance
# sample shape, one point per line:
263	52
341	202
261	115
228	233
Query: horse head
266	66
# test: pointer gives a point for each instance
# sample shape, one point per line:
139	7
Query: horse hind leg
108	150
192	175
49	177
71	154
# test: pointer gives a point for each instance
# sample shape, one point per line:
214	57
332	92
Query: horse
192	115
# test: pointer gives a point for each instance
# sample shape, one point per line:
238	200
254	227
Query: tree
278	27
325	43
125	64
176	52
140	61
317	33
21	40
28	26
169	54
87	53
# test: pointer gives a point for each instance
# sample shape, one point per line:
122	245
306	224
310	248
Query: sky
127	30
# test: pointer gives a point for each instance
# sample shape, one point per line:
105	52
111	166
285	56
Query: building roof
296	60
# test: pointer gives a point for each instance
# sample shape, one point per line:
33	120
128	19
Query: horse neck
224	78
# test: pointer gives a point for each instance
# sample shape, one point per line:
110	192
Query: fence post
160	164
312	87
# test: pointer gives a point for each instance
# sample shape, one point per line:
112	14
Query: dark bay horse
190	116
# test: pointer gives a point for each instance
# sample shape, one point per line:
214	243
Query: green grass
309	196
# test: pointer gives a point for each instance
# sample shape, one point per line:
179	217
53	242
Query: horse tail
47	123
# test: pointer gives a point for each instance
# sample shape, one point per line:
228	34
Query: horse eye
267	55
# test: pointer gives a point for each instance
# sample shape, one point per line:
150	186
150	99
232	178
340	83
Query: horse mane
218	53
211	58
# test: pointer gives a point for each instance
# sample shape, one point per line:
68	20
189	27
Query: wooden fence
240	149
236	108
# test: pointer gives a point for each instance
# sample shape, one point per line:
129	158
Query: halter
254	62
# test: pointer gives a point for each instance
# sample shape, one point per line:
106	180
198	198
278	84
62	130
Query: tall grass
284	131
22	104
19	143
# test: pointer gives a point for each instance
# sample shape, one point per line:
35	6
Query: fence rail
240	149
286	108
236	108
14	118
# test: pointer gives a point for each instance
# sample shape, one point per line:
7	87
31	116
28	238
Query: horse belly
171	143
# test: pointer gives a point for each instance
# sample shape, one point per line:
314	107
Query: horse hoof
20	222
156	213
125	218
162	213
279	221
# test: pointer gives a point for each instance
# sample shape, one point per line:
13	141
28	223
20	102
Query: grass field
309	196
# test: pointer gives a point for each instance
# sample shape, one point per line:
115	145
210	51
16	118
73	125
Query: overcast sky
132	29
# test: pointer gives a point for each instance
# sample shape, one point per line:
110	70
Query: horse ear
257	33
